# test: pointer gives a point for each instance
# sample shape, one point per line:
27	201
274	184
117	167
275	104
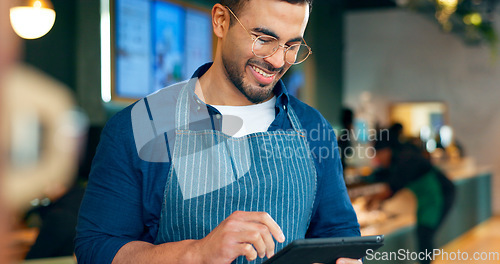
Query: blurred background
431	66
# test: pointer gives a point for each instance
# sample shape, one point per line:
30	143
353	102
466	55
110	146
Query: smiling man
253	61
220	168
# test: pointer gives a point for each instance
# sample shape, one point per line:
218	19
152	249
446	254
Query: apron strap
294	120
182	106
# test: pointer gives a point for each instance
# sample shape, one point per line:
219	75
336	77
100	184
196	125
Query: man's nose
277	59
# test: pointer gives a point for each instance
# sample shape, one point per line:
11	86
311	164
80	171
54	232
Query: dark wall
88	65
54	53
325	35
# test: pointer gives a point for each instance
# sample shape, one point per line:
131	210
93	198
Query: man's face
256	77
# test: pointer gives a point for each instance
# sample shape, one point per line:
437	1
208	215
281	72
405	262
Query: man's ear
220	20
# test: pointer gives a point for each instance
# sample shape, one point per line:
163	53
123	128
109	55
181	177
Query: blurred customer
403	166
31	99
40	166
8	53
396	134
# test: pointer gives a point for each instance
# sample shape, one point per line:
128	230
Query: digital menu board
156	44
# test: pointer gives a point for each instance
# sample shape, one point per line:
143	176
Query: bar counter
396	217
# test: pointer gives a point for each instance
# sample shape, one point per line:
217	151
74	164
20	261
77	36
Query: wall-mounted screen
156	43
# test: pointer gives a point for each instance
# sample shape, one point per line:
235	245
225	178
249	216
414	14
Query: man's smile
262	72
262	75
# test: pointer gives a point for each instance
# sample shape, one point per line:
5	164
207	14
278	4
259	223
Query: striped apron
213	174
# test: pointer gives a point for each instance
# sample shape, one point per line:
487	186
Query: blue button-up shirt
124	195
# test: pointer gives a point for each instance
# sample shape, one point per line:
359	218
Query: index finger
267	220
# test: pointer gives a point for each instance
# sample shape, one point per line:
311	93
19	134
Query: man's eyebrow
266	31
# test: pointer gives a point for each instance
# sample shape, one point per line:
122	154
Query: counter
396	218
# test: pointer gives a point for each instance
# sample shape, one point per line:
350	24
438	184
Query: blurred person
9	47
401	166
218	195
41	162
396	134
29	98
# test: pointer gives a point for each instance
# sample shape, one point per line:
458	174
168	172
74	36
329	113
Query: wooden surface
484	238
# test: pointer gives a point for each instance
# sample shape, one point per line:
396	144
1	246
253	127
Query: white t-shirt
240	121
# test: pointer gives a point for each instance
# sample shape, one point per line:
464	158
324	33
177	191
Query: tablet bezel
348	247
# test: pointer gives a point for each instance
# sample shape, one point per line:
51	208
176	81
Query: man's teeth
261	72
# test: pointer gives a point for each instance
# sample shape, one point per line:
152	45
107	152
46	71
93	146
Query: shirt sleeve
333	214
110	213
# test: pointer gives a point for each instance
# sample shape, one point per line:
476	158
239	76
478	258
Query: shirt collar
279	89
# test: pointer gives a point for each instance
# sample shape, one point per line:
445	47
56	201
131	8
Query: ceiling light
32	19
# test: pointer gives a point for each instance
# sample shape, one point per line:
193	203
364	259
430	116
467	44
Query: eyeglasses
265	46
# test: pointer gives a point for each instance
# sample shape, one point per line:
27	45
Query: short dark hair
237	5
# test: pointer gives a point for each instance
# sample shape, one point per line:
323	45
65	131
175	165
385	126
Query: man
218	168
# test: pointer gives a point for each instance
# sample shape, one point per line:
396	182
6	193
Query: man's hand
348	261
248	234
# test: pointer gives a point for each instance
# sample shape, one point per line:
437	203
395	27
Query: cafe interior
432	67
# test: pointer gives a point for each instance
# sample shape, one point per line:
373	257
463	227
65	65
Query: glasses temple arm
248	32
310	50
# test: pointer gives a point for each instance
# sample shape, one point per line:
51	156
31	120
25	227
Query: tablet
325	250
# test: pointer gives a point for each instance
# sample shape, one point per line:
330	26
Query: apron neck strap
182	107
294	120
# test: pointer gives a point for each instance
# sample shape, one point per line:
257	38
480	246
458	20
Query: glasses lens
265	46
297	53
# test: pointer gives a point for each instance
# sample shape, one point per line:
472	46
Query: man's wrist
192	253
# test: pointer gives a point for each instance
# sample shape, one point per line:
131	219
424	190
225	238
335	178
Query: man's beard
253	94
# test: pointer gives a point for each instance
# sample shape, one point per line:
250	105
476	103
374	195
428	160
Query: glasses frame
254	39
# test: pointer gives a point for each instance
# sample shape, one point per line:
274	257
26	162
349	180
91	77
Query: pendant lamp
32	19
